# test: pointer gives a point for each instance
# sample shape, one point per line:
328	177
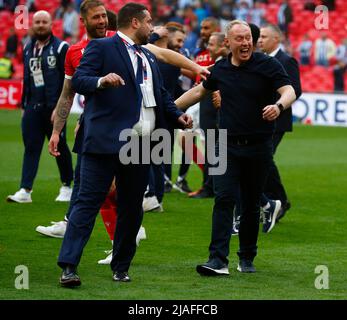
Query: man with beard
124	90
98	22
43	81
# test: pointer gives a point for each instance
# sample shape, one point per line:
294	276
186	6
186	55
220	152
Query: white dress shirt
146	123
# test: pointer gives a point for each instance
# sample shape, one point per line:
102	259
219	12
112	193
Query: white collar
126	38
273	53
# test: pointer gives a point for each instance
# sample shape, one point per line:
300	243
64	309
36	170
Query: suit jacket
108	111
290	65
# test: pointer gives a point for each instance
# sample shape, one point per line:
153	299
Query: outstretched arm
177	59
191	97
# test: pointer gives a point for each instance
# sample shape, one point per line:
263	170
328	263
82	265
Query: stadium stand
314	78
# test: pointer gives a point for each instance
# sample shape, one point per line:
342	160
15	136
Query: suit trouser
76	185
247	169
97	173
36	124
274	188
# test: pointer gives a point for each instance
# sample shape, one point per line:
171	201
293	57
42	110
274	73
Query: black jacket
290	65
53	58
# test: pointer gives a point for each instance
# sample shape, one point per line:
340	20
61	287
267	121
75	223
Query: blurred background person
325	49
340	67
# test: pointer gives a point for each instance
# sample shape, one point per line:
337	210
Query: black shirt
245	91
170	76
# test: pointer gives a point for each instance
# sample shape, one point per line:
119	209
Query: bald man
44	58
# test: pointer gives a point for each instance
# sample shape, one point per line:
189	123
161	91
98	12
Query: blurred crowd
321	51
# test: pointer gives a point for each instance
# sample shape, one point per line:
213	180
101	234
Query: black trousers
339	81
247	169
36	125
207	120
274	188
97	173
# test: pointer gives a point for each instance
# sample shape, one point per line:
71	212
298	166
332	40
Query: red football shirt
74	55
203	59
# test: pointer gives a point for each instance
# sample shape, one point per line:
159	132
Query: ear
135	23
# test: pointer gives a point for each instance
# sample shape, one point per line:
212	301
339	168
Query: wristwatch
280	106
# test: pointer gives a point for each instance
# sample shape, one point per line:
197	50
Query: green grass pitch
313	165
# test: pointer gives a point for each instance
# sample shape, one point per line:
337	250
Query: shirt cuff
99	86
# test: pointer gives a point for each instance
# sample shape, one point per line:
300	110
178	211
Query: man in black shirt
248	83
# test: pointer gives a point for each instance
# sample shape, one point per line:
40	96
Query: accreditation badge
36	70
148	95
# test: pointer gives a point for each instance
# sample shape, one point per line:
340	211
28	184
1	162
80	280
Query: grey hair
233	23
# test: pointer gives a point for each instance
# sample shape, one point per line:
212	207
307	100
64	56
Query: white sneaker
150	203
64	194
141	235
21	196
108	259
56	230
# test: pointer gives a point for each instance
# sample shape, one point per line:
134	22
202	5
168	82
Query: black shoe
270	215
246	266
69	278
121	276
285	207
213	268
202	194
167	186
182	186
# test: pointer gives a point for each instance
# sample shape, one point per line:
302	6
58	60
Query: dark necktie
139	72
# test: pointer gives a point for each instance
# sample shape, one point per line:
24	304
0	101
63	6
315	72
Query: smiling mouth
244	51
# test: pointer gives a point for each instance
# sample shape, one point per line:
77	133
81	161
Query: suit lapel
153	68
125	56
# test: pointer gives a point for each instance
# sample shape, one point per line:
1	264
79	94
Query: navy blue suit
107	112
274	188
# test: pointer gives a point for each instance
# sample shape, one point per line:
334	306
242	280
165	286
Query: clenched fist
111	80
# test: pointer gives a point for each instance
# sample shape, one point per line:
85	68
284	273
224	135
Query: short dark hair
112	20
88	4
214	21
128	12
255	33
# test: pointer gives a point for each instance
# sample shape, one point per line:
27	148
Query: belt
247	140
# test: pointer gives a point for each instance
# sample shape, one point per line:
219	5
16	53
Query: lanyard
144	66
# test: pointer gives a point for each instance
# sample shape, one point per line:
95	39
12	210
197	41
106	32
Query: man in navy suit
269	42
123	89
